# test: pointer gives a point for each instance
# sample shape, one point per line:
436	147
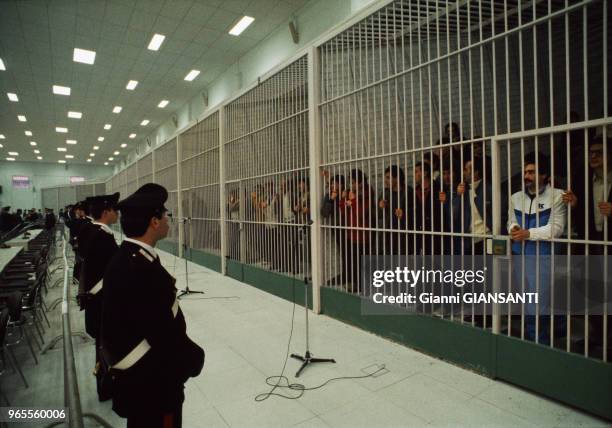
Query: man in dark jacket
143	328
97	248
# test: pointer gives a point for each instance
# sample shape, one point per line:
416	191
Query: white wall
41	175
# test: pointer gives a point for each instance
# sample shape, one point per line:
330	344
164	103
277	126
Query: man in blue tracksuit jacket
536	216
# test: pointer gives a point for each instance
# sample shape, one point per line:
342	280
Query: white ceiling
37	38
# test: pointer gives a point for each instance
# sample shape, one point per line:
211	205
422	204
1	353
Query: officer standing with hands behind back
144	334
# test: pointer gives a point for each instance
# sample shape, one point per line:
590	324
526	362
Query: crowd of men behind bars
445	208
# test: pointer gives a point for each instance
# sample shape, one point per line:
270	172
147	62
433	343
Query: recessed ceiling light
100	138
192	75
88	160
131	85
12	97
144	122
39	157
105	163
2	65
61	149
163	103
115	153
108	126
111	158
75	114
36	151
96	147
13	153
61	90
28	133
92	155
10	159
84	56
71	142
117	109
21	118
69	156
241	25
1	146
156	42
61	129
33	143
61	161
132	136
123	146
2	137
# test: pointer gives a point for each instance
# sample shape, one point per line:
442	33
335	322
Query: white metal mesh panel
165	175
199	156
266	166
50	199
145	170
84	191
535	72
67	196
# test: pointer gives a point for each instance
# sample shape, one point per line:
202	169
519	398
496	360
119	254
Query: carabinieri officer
143	329
97	247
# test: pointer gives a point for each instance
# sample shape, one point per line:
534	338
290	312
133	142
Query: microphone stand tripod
307	359
186	291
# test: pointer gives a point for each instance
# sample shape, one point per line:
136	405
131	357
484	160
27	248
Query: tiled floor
245	332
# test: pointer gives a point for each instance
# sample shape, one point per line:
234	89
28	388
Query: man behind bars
144	334
536	216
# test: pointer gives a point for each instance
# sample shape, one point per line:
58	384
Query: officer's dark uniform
143	329
97	248
79	227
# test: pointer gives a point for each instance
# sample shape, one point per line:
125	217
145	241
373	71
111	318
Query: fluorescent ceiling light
2	65
71	142
96	147
123	146
100	138
36	151
156	42
61	149
132	136
21	118
61	129
144	122
2	137
107	126
105	163
61	161
75	114
84	56
163	103
192	75
33	143
111	158
241	25
12	97
69	156
13	153
1	146
116	153
10	159
131	85
28	133
39	157
61	90
88	160
92	155
117	109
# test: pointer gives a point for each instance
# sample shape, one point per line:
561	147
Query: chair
17	321
6	350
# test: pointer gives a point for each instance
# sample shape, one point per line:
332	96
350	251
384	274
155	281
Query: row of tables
15	246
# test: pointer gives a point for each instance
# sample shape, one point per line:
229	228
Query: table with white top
21	241
6	255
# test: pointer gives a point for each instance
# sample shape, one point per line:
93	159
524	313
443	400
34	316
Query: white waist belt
132	358
142	348
96	288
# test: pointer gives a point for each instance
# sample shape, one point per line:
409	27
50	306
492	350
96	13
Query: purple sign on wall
21	181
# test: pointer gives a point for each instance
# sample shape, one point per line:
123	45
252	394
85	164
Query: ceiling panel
37	42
